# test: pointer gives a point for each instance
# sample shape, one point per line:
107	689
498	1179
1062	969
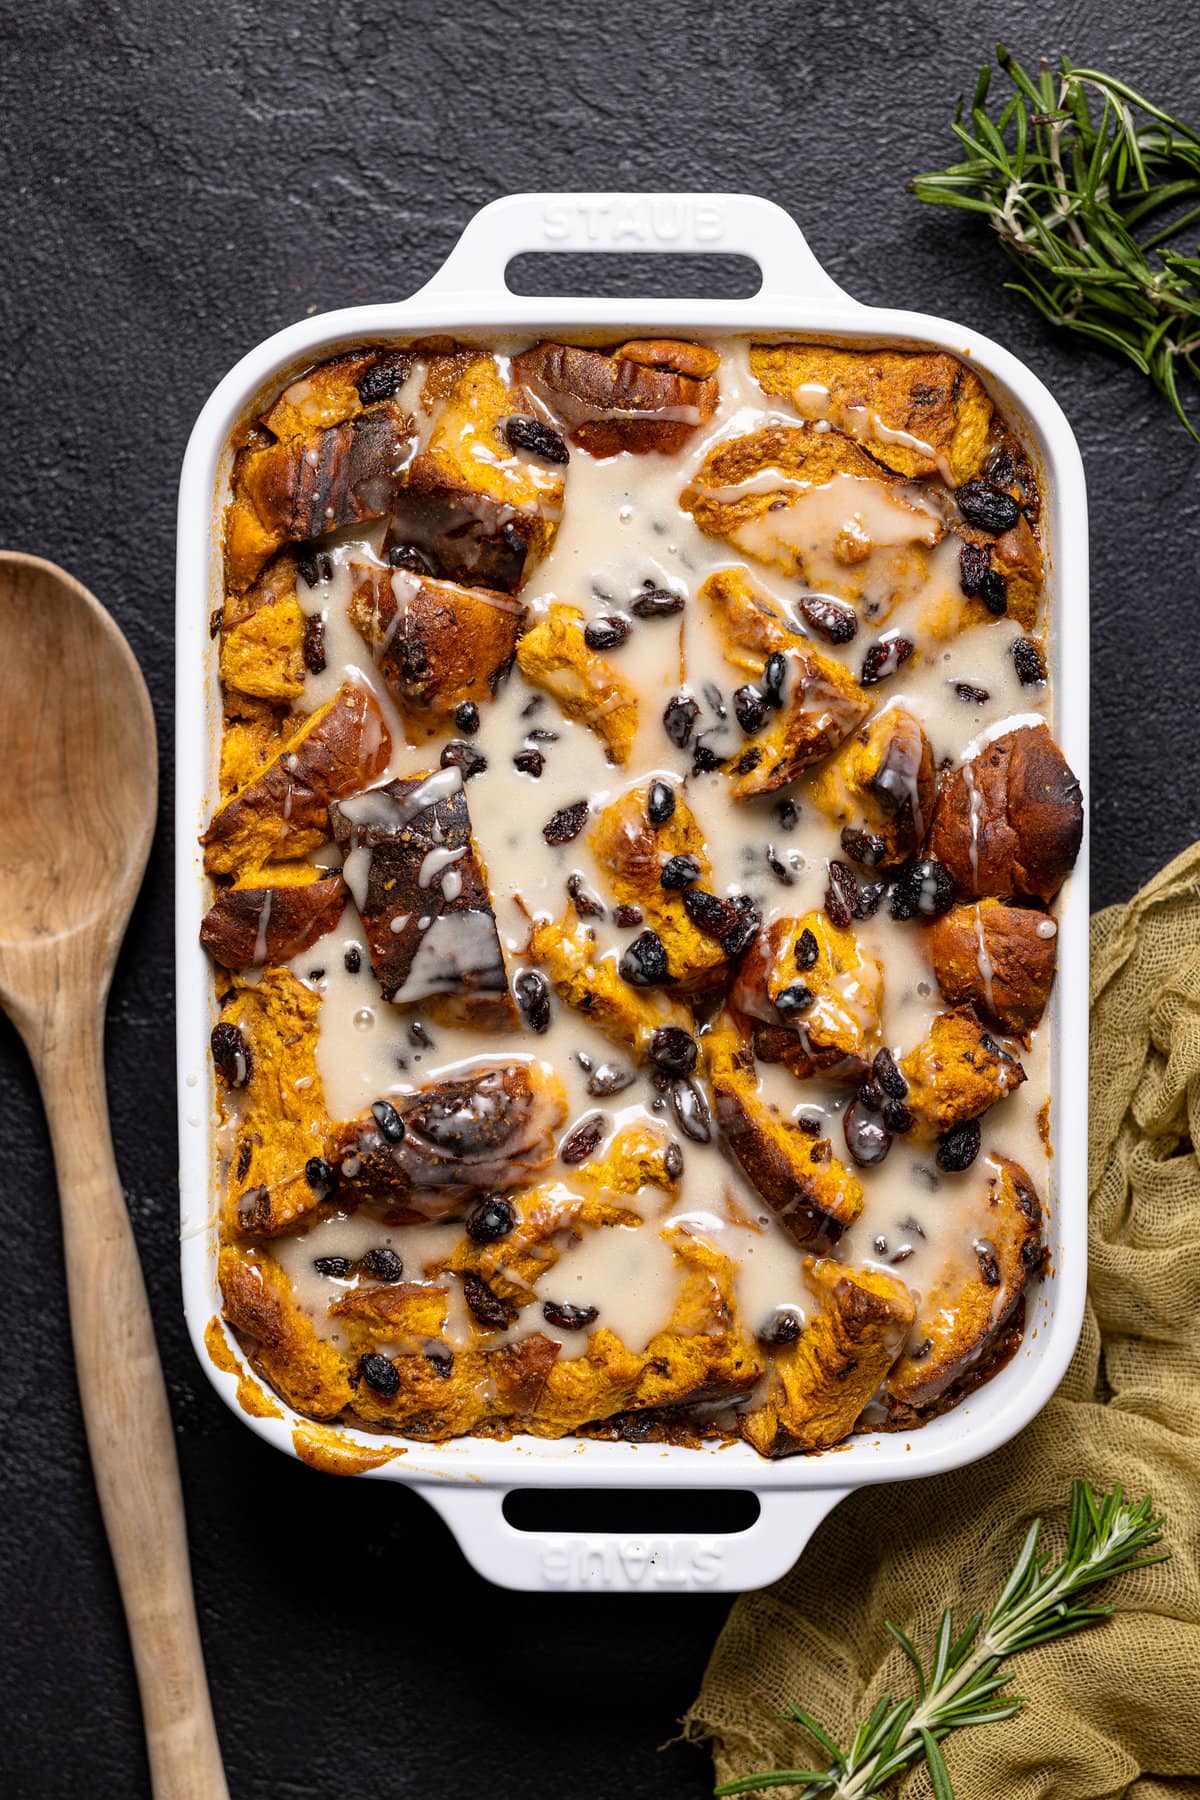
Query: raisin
418	1035
796	998
533	999
407	556
679	719
644	962
606	633
691	1112
748	760
486	1307
987	507
787	812
660	806
314	644
958	1149
749	709
353	960
923	889
319	1176
743	933
490	1219
583	1140
704	760
313	565
656	603
627	915
673	1050
466	717
974	561
807	949
384	378
524	433
989	1268
530	762
383	1264
870	1096
216	619
245	1153
898	1118
885	1072
458	754
390	1124
972	696
1027	658
884	657
867	1137
441	1361
783	1327
679	872
380	1375
254	1209
582	899
994	593
836	622
902	1255
567	1317
862	846
708	912
810	1124
231	1054
841	895
673	1161
774	677
566	824
608	1079
779	868
870	898
337	1267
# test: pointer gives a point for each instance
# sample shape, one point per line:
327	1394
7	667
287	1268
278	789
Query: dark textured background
177	181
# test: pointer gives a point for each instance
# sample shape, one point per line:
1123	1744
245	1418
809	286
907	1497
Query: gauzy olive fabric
1114	1710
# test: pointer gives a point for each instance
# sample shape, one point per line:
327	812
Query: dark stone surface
178	181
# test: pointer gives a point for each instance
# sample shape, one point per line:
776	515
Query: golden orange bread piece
999	959
750	623
822	705
436	644
406	1315
1009	821
283	812
580	1388
309	1372
318	459
254	731
958	1071
820	1384
549	1219
263	656
813	1195
566	949
632	853
881	782
638	1157
553	655
966	1311
919	412
836	1031
648	395
280	1120
755	493
285	910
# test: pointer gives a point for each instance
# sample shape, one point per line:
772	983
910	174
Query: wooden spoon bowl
77	746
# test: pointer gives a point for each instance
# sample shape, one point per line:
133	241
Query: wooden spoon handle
125	1411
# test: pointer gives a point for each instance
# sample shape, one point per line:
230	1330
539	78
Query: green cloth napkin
1114	1710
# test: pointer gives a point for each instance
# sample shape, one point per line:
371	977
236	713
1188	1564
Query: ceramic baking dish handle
727	224
626	1562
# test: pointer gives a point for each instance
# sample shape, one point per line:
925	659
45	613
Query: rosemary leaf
1038	1603
1086	181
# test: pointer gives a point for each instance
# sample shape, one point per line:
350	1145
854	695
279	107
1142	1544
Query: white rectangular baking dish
467	1479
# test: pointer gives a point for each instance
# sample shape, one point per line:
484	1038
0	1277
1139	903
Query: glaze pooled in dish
634	885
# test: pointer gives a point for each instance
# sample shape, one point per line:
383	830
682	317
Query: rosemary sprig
962	1684
1090	210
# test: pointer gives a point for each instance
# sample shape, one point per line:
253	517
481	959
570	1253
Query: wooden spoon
77	749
